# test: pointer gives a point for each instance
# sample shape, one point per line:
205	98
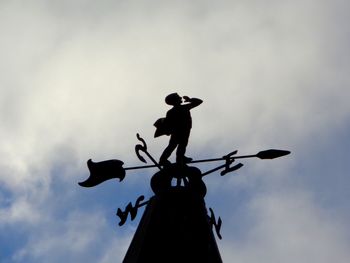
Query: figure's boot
183	160
164	162
187	159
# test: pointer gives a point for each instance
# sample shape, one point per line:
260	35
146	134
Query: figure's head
173	99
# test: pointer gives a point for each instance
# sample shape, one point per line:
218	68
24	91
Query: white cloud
73	236
78	80
288	227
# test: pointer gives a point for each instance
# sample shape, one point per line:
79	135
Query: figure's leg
181	149
168	150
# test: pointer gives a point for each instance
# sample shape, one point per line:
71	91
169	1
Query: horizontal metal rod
223	159
214	170
140	167
195	161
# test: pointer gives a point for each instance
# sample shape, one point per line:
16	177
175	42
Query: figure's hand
186	98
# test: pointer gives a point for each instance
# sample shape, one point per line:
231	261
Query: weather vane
175	226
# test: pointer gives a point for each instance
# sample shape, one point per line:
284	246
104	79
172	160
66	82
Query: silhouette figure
177	124
175	226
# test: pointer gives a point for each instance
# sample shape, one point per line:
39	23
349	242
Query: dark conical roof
175	225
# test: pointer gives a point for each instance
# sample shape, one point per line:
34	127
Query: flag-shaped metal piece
103	171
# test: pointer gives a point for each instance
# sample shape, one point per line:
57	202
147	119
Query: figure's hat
172	98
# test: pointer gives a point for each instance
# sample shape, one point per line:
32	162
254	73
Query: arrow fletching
272	154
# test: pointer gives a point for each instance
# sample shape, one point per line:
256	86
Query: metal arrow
267	154
102	171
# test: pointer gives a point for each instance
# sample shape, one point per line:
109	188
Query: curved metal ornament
143	148
140	147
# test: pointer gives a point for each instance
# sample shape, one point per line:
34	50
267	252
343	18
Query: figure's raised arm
192	102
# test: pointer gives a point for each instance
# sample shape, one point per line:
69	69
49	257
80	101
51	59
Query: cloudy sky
78	80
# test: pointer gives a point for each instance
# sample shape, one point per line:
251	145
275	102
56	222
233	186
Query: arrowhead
272	154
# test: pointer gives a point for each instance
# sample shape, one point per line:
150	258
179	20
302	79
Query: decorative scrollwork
216	224
130	209
143	148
